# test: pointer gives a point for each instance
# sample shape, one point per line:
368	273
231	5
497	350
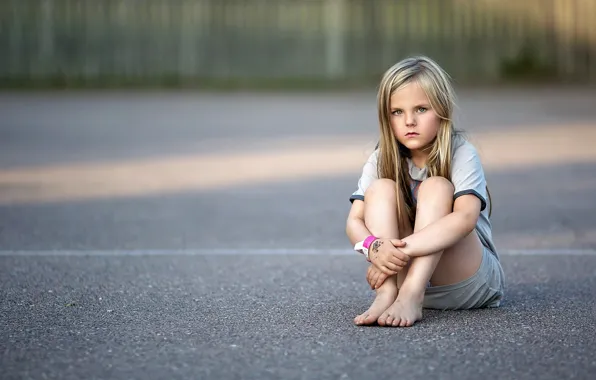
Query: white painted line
181	252
253	251
547	252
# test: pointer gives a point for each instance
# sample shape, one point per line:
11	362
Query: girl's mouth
411	134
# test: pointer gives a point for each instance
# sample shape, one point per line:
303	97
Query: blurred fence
186	40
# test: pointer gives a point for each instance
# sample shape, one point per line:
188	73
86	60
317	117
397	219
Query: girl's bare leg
380	218
457	263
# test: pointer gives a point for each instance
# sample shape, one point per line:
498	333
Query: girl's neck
419	158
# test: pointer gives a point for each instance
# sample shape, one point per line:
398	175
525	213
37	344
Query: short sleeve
369	174
467	174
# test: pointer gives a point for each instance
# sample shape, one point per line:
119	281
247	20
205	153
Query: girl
421	210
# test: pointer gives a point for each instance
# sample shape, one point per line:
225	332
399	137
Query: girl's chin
414	145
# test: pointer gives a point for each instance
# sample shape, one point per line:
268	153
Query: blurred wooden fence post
334	21
187	41
16	39
46	37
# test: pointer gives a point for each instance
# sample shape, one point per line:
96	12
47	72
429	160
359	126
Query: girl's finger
376	280
392	266
380	280
398	243
399	261
400	264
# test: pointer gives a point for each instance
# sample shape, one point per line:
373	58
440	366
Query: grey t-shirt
467	177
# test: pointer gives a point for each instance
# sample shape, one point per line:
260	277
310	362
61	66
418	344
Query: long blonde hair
392	161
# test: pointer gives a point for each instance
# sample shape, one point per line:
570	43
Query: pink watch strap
368	241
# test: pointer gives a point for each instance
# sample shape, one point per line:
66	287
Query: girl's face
413	121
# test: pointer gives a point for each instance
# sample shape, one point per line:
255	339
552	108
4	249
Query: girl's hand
375	277
385	255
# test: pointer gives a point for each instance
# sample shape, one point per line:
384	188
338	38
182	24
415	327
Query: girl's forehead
409	93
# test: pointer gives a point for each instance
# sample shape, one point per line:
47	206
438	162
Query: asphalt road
186	235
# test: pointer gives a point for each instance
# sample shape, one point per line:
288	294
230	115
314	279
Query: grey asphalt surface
84	295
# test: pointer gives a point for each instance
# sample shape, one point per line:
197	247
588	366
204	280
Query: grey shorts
484	289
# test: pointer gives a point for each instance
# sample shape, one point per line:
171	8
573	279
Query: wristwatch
364	245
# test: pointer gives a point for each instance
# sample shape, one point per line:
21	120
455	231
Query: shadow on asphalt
544	208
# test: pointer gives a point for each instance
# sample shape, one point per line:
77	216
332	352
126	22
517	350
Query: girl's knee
383	187
436	186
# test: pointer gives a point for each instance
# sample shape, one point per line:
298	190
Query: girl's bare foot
404	312
385	297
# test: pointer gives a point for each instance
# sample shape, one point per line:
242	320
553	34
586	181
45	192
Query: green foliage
527	66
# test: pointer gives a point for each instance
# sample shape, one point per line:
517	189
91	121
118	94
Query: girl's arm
446	231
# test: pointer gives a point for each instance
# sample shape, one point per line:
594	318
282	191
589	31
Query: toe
402	323
389	320
395	322
358	320
370	320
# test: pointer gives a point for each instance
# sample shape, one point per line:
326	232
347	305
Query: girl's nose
410	120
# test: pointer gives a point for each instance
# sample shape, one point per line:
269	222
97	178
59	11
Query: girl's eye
397	112
422	109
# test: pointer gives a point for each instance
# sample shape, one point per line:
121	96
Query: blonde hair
392	161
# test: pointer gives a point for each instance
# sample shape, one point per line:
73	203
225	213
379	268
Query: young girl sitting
421	211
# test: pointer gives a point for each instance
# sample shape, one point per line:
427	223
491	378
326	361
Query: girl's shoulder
465	157
463	148
373	158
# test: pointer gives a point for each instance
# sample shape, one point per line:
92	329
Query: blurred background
290	42
244	124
